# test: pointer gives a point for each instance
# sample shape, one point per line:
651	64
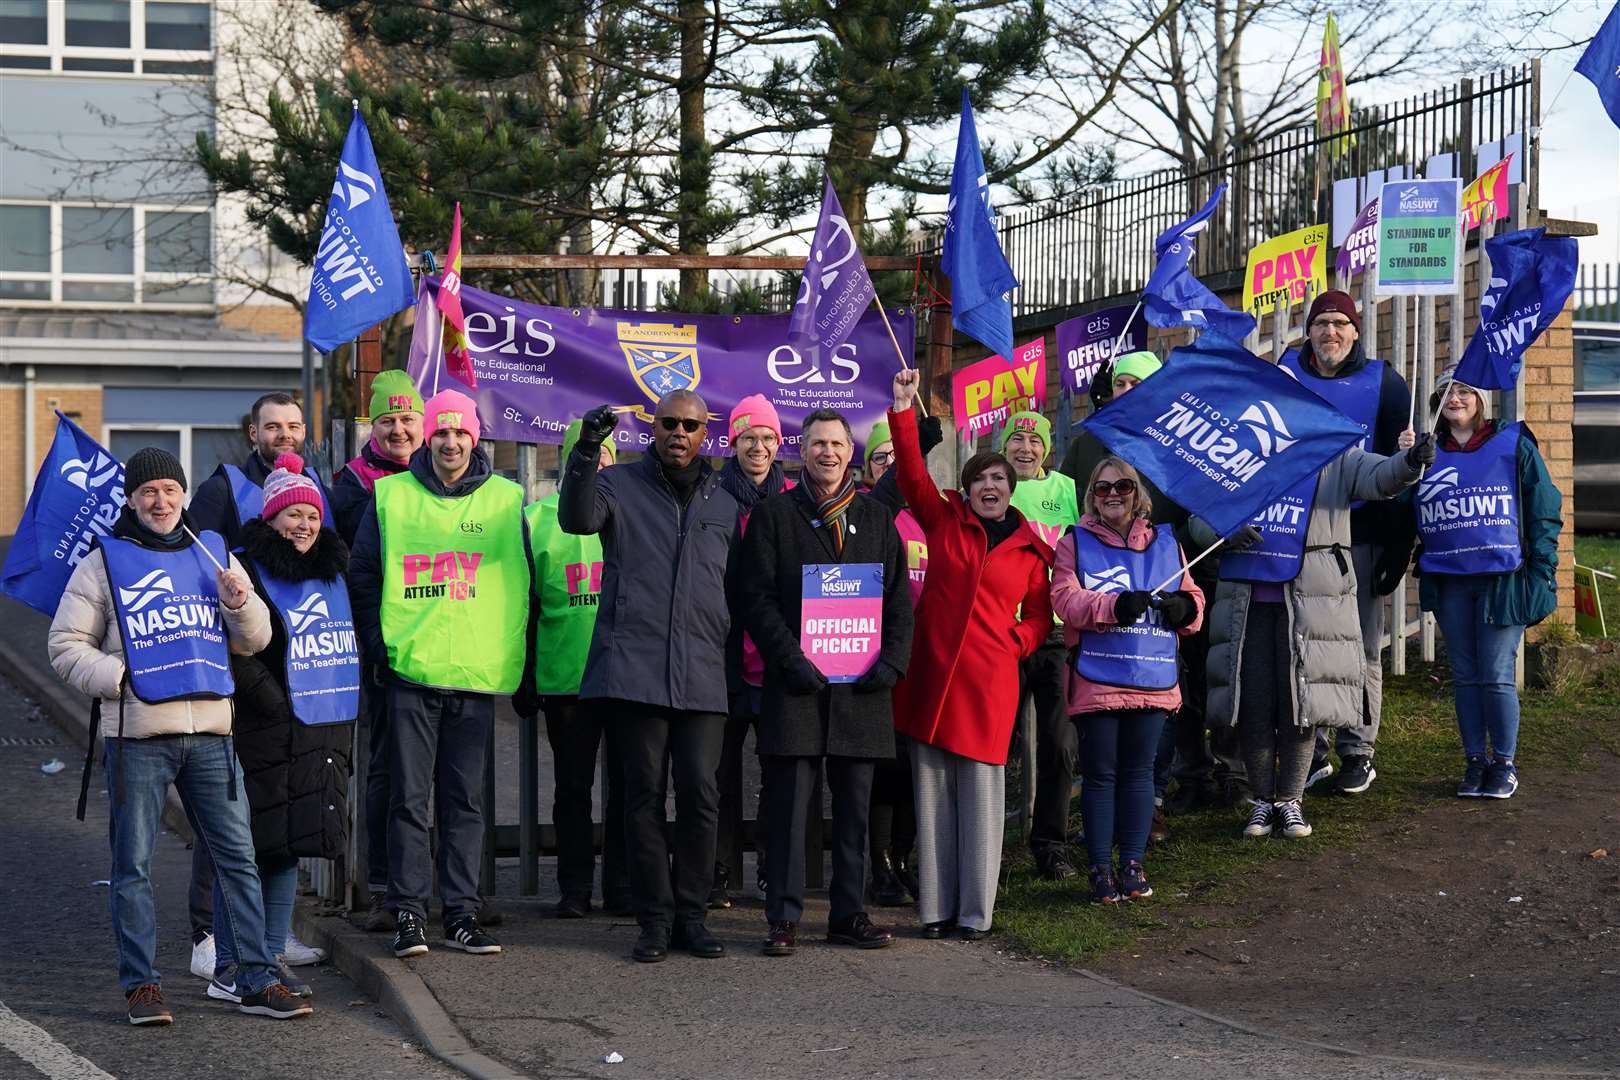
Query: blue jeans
200	767
1482	656
278	877
1116	759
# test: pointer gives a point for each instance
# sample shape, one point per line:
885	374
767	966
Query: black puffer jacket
297	775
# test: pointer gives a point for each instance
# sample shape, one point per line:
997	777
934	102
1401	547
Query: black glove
526	702
929	434
880	676
1392	564
802	677
1242	540
1177	608
1129	606
1422	452
596	426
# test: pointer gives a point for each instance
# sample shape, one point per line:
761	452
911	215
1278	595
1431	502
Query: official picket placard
1419	238
1360	248
1087	342
1285	268
540	368
988	392
841	620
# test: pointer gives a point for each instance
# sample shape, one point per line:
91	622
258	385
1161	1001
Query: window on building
106	255
123	442
111	37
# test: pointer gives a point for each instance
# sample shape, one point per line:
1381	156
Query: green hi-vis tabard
568	572
455	605
1050	504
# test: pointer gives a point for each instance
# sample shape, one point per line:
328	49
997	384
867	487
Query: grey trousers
961	811
1354	741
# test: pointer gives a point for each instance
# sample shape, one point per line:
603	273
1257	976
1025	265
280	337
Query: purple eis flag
836	289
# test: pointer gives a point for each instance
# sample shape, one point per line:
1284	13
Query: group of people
655	611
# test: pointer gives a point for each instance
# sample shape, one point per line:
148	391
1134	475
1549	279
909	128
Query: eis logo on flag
1229	450
1112	580
450	575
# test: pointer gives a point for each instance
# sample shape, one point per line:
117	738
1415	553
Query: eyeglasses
882	457
1459	391
685	423
1331	324
748	442
1125	486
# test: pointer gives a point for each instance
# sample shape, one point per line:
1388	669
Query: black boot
907	877
887	888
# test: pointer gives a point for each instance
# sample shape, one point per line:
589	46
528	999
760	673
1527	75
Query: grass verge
1207	860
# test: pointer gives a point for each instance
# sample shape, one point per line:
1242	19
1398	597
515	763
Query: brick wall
81	403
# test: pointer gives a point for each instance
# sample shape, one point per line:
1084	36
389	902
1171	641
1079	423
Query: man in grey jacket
657	665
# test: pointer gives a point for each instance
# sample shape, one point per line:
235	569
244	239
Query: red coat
960	692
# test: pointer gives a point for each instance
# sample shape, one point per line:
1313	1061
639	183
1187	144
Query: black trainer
1054	865
276	1002
1321	769
1356	775
379	919
465	934
410	939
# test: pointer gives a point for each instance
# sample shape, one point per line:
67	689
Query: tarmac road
61	1011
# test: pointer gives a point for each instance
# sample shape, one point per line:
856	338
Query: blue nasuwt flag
1222	432
1174	297
360	276
836	289
1532	276
77	497
1601	64
981	277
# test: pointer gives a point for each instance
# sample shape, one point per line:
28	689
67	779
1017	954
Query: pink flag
457	357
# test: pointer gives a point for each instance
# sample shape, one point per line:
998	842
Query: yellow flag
1332	99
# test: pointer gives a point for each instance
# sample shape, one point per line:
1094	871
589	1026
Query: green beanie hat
880	435
571	436
1026	421
1137	364
393	391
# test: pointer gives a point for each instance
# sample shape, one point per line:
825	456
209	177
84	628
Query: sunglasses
1123	487
686	424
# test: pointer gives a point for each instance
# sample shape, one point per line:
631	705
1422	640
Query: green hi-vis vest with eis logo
455	605
1050	504
568	573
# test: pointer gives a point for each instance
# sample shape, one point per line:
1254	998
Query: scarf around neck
831	507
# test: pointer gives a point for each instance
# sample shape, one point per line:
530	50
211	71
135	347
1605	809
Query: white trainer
202	958
299	955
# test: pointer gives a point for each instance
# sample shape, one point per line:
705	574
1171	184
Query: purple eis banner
1086	343
1360	248
540	368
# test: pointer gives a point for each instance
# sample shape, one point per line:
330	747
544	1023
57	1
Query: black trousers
788	784
200	896
743	717
647	737
574	734
375	715
1193	765
439	739
1057	746
893	825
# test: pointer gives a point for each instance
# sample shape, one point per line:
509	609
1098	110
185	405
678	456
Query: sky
1580	145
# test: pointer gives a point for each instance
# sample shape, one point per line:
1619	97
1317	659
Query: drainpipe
30	427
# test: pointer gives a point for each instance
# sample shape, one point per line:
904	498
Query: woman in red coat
986	604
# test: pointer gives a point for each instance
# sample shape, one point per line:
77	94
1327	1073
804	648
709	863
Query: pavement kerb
403	993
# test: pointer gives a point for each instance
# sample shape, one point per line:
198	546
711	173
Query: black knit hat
152	463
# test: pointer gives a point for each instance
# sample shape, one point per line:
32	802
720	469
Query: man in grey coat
823	526
656	667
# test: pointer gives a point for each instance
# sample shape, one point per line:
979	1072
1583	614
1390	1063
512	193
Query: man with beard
657	665
823	527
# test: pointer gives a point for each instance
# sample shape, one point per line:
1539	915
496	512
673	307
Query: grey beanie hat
152	463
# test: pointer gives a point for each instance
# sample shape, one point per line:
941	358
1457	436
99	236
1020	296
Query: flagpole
904	365
1114	355
202	545
1179	573
1411	404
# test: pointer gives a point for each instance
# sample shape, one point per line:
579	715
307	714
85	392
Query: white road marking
35	1045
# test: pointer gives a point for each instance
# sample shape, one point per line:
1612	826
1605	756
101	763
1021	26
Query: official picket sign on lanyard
1281	549
1140	655
323	655
167	604
249	497
1467	509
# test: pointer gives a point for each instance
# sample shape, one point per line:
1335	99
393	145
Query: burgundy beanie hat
1335	300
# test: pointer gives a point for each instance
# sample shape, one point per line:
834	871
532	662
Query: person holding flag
162	708
1488	517
1048	502
1124	677
1334	365
987	605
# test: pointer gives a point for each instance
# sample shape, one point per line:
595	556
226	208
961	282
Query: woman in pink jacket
1123	663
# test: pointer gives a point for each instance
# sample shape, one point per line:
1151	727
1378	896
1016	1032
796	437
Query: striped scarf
830	509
